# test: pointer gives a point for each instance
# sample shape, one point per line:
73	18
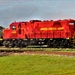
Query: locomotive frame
55	34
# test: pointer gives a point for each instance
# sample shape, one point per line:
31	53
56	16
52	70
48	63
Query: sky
25	10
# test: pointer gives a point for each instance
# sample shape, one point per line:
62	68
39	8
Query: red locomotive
58	33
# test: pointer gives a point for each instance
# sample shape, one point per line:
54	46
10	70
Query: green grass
37	65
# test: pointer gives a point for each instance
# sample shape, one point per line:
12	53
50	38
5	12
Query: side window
71	23
19	28
13	27
71	26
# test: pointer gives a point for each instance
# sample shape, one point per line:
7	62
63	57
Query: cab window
71	23
13	27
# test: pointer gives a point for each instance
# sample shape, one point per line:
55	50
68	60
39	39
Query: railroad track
2	49
38	51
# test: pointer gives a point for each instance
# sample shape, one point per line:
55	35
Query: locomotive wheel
50	43
66	44
16	44
20	43
6	43
61	44
23	43
55	44
11	44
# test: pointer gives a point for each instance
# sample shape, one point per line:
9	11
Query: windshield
13	27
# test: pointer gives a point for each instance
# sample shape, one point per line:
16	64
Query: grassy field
37	65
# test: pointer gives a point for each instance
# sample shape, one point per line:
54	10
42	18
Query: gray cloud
23	10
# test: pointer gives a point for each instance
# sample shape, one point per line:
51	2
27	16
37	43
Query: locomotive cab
17	30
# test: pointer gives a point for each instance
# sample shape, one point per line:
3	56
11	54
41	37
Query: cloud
23	10
17	11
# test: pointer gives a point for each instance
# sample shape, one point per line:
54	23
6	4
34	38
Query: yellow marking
25	39
51	39
52	28
1	39
13	39
43	29
67	38
49	28
31	39
14	32
61	28
40	39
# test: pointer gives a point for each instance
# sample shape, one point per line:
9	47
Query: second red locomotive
58	33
